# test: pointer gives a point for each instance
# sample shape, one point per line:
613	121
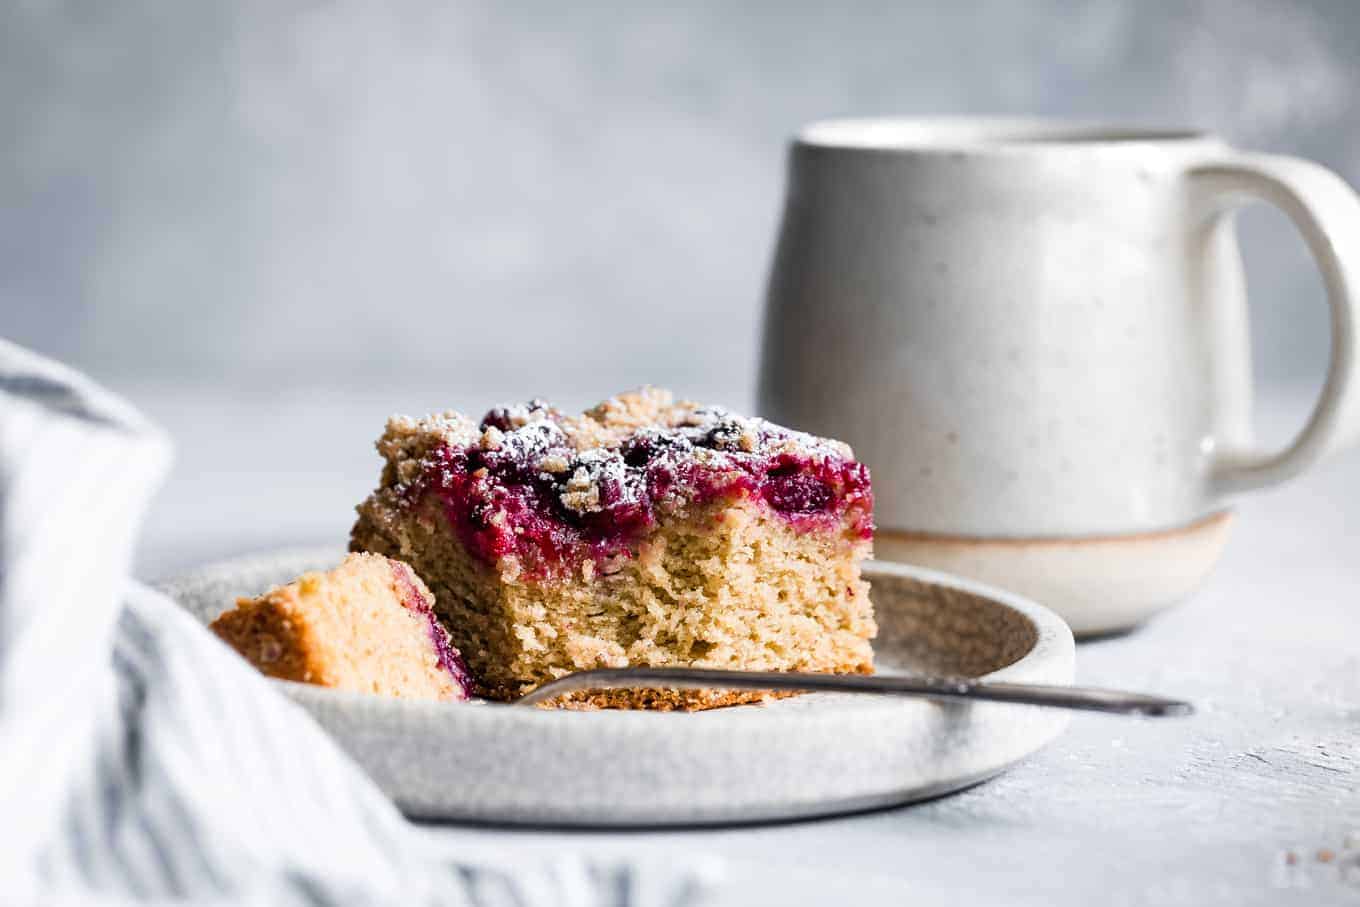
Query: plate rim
1053	640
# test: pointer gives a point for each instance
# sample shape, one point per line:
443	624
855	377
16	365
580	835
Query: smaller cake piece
367	626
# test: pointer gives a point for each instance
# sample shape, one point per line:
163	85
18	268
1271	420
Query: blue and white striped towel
140	760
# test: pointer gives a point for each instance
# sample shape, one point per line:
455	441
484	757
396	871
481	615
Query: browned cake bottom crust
660	700
657	700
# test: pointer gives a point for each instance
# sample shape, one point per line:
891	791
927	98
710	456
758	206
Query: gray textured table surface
1255	800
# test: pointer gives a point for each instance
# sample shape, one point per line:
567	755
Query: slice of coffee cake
367	626
641	532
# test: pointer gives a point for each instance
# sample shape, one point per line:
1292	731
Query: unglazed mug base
1098	584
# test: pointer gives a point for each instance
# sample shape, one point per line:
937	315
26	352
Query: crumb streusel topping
550	489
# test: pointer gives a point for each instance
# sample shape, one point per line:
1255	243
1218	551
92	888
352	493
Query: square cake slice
367	626
641	532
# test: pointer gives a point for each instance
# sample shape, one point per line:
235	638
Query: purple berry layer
449	658
526	491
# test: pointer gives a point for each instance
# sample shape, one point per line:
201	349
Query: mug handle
1327	212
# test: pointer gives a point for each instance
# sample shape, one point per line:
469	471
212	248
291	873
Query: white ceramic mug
1035	335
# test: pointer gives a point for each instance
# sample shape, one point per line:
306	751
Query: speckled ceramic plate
811	755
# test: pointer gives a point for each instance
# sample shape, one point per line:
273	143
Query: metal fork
1053	696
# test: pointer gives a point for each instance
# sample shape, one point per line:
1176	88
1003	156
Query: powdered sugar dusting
517	415
549	488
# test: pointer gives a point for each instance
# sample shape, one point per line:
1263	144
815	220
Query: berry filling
526	492
449	658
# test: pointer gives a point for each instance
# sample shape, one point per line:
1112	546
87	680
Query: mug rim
954	134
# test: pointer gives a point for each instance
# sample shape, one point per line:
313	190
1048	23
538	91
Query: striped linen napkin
141	762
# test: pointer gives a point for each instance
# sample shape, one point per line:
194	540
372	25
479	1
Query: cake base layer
725	585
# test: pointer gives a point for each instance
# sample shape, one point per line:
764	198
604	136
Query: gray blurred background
259	219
